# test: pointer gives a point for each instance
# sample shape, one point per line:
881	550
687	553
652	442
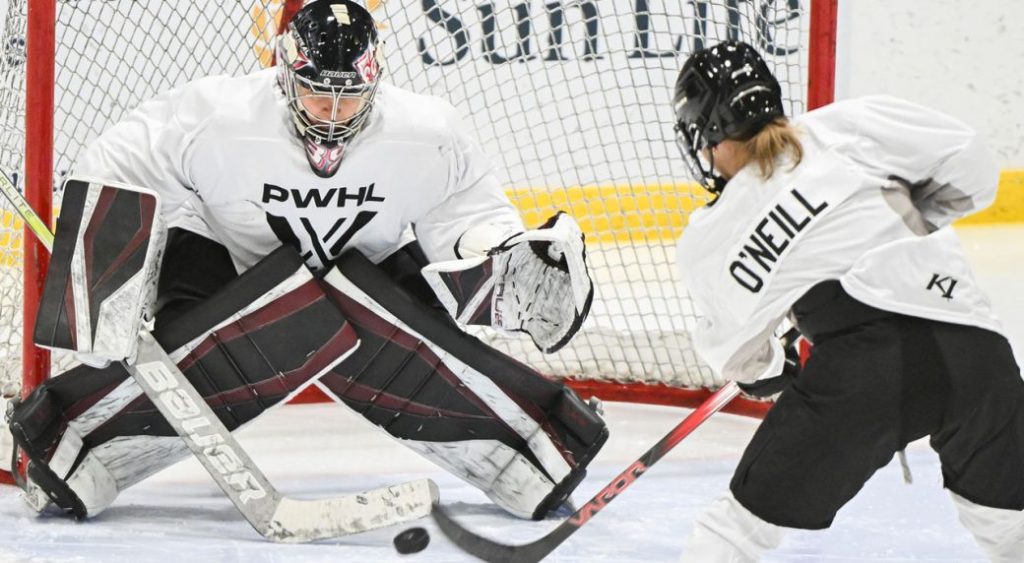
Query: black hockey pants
874	382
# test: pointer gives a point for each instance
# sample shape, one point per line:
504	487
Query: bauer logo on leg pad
181	406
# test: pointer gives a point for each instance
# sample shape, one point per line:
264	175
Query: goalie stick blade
492	551
296	521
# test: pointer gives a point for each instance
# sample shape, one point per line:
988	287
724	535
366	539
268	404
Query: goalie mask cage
570	99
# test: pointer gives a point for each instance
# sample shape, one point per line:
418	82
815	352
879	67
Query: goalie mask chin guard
329	66
725	92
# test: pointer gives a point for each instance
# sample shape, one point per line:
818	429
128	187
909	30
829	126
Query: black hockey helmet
329	64
725	92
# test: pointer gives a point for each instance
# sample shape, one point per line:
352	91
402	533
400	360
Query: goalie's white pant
999	532
729	533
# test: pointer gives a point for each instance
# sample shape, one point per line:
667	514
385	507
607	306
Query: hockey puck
413	540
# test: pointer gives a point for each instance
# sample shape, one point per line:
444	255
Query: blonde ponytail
771	142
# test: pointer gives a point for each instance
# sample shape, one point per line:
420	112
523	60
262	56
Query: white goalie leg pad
93	480
94	484
260	307
729	533
503	474
999	532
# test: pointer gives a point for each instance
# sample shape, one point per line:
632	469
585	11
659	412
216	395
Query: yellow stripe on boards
1009	204
616	213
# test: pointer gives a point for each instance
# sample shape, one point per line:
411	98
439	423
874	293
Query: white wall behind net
961	58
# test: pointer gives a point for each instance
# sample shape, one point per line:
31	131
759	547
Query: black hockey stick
273	515
490	550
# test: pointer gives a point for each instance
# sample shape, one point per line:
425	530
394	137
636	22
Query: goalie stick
493	551
276	517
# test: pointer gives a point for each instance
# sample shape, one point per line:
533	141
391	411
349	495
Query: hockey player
322	156
840	219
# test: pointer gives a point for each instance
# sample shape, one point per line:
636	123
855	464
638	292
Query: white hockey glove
535	282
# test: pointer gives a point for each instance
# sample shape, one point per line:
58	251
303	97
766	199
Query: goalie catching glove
534	282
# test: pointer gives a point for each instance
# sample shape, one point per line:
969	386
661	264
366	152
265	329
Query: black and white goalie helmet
329	62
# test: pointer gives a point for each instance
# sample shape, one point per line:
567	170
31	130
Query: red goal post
569	100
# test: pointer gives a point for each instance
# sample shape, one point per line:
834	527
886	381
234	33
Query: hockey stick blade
275	517
495	552
352	514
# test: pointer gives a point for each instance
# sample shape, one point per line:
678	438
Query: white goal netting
569	98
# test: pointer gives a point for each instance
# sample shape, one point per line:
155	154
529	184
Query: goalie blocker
90	432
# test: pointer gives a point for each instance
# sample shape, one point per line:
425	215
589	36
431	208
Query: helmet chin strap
716	182
711	176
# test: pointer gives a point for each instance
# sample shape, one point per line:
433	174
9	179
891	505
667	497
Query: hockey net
569	98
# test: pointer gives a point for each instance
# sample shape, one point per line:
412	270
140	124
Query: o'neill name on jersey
309	219
774	233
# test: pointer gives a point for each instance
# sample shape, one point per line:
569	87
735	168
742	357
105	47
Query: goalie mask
329	67
725	92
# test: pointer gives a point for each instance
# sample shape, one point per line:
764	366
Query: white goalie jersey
870	205
223	155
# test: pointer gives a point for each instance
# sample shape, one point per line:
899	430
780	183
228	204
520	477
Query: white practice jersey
223	155
870	205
